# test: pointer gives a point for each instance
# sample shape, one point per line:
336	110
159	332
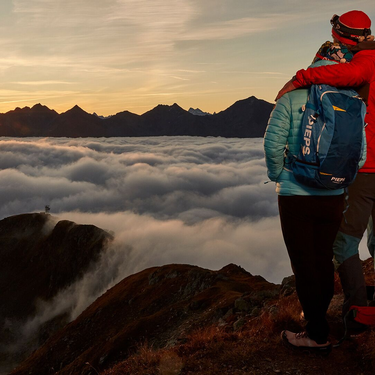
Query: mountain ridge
160	305
246	118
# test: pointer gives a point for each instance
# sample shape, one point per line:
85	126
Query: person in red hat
353	30
352	27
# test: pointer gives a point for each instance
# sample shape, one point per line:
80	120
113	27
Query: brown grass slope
160	306
180	319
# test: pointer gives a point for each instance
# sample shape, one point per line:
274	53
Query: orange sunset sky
113	55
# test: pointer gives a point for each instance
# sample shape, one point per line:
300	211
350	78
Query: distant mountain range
246	118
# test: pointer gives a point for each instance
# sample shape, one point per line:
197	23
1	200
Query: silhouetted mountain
245	118
77	123
170	120
27	121
40	257
123	124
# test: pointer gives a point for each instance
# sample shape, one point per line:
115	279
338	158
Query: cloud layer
196	200
163	177
171	199
192	200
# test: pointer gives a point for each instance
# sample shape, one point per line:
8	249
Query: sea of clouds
193	200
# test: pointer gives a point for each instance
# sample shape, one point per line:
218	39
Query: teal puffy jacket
283	132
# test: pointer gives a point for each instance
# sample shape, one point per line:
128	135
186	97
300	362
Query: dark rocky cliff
40	256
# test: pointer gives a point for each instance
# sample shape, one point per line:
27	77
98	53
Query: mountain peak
38	106
76	110
162	109
166	106
102	117
198	112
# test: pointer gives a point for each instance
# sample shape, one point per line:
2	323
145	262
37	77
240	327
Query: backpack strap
311	106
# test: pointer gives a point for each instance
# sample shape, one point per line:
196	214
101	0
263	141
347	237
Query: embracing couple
318	213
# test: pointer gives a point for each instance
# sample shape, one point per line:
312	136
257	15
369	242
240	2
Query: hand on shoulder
289	86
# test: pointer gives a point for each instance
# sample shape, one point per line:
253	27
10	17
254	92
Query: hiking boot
302	341
355	329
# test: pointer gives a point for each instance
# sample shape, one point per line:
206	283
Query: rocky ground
180	319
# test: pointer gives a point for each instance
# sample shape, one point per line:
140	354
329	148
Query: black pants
361	205
309	225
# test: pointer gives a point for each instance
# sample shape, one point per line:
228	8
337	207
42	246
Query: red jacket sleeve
359	71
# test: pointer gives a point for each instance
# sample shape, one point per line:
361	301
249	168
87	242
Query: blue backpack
332	138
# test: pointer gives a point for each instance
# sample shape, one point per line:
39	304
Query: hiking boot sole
321	351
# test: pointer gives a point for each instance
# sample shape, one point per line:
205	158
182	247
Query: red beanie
350	26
